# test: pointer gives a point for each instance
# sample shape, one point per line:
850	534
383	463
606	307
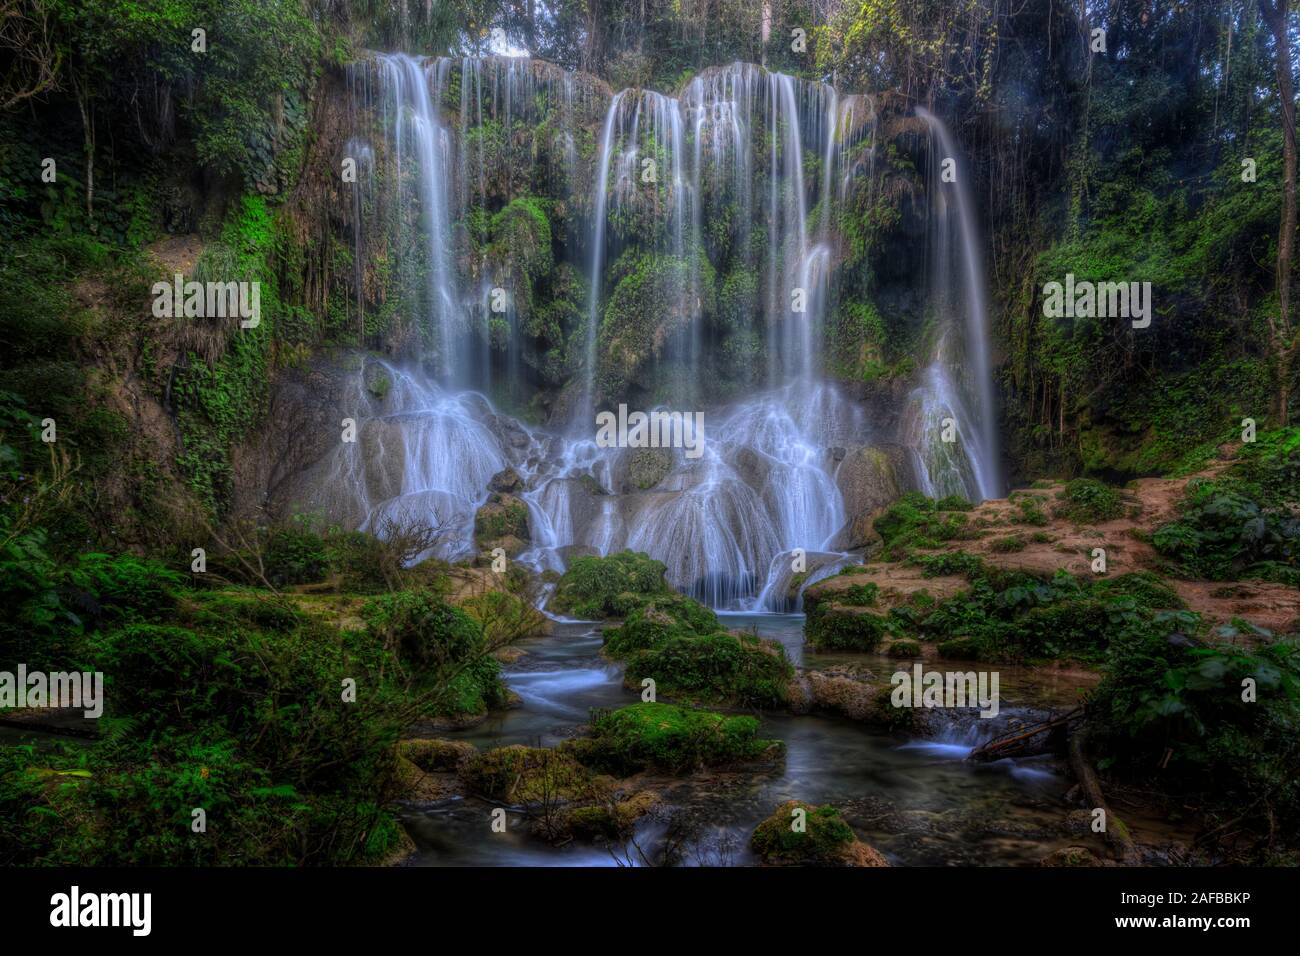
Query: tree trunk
88	132
1281	336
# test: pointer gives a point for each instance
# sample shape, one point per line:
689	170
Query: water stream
917	801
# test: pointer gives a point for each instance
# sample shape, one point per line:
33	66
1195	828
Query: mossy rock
716	668
1071	856
643	468
612	586
612	822
831	626
502	522
802	834
670	739
903	649
658	622
436	755
527	775
960	649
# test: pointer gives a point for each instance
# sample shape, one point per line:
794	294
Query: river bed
916	800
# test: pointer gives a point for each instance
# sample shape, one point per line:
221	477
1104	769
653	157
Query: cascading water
958	384
676	179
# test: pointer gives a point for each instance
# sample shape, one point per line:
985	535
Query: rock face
506	481
869	478
640	469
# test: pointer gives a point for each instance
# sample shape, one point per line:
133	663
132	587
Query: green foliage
1168	702
820	842
219	402
915	521
611	586
828	627
670	739
440	646
715	668
1241	524
228	711
1086	501
1012	616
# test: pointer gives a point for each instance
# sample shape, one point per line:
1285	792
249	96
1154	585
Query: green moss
670	739
822	839
526	775
915	521
903	649
611	586
502	516
716	668
828	627
657	622
1085	501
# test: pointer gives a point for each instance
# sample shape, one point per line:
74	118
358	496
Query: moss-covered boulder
864	698
523	775
801	834
670	739
660	620
612	821
502	522
830	626
640	469
611	586
1071	856
436	755
718	668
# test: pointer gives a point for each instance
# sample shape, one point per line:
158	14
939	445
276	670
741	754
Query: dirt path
1060	544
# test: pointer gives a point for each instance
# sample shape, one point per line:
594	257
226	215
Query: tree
27	39
1283	334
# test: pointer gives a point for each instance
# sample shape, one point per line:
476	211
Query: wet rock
502	523
1071	856
506	481
434	755
869	478
640	469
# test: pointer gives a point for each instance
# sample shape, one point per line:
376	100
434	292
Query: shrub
1086	501
669	738
1223	534
439	646
611	586
717	667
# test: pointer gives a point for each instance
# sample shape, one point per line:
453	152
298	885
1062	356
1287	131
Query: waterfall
744	166
958	383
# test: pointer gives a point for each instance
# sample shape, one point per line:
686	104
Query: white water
958	384
726	524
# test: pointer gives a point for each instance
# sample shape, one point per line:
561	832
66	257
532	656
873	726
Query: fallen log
1024	743
1117	834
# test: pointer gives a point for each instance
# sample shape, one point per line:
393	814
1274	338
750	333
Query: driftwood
1039	739
1027	742
1117	834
